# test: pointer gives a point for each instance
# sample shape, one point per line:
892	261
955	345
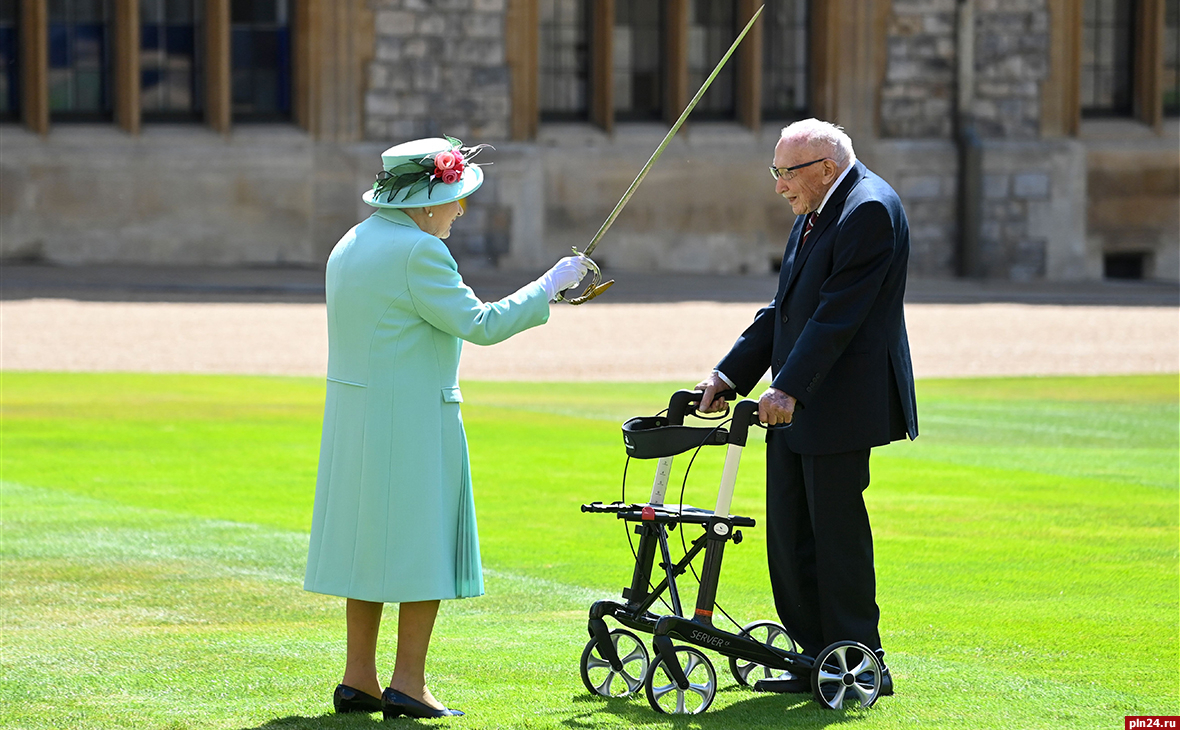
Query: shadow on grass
769	711
763	710
328	720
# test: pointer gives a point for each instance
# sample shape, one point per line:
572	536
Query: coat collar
393	215
831	210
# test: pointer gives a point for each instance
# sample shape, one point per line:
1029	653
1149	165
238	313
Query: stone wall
1133	193
1034	217
917	97
1011	62
176	195
439	67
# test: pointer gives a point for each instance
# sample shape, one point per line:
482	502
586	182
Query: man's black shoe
786	684
886	683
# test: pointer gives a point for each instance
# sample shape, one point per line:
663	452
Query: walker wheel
846	668
666	698
765	632
599	677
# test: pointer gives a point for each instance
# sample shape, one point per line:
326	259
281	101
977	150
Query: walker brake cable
680	513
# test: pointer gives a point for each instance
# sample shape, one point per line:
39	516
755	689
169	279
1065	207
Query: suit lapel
831	210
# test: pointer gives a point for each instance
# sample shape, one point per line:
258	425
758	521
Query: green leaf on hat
417	187
453	142
406	167
433	182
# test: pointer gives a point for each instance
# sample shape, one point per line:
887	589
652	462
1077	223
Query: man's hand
775	407
710	403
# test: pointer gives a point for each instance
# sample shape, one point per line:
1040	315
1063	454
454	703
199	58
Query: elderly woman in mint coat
394	517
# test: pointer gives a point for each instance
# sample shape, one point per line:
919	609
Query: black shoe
346	699
786	684
394	703
886	677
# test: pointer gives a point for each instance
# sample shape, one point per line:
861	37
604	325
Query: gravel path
601	341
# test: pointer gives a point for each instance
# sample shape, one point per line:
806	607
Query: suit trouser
820	546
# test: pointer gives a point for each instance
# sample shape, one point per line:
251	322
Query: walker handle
745	414
684	402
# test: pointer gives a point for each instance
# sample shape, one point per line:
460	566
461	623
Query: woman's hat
425	172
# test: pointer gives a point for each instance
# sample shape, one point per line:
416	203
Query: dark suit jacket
834	337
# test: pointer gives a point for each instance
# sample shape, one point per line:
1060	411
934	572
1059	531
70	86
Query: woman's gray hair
825	137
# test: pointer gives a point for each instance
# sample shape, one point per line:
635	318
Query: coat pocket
452	394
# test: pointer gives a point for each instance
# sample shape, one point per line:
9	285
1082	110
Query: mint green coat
394	516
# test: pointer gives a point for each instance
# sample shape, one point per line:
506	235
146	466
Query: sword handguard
596	286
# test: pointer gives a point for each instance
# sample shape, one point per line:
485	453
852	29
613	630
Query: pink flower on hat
444	161
450	177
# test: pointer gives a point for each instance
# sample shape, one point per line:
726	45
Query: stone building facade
1023	143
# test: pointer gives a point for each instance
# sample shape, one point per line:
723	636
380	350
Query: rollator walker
681	679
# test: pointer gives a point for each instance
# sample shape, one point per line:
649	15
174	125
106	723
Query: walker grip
744	414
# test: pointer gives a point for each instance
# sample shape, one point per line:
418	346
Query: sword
596	287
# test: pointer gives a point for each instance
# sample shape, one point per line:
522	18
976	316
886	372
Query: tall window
9	53
1172	58
1107	58
564	60
638	61
79	59
170	59
712	28
261	49
784	59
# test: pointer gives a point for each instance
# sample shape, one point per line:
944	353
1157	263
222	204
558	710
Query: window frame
1062	102
331	43
522	40
109	66
15	93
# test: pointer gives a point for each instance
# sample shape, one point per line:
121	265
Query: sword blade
668	138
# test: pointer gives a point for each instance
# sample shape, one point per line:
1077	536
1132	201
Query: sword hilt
596	286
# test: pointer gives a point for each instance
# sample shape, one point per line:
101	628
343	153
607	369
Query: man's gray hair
825	137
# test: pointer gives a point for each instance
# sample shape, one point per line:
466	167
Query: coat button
784	319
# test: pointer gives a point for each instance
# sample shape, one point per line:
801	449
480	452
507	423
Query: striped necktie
807	225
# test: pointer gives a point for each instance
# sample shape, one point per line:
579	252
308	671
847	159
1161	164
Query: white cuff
721	375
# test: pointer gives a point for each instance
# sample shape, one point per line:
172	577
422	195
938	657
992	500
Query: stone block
379	104
1031	185
432	24
480	52
489	6
416	48
921	187
939	23
905	24
388	49
483	25
395	24
995	187
427	77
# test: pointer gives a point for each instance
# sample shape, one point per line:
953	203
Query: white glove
565	274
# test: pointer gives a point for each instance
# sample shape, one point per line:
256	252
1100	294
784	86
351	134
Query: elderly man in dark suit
834	339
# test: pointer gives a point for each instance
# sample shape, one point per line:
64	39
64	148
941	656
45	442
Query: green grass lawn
154	531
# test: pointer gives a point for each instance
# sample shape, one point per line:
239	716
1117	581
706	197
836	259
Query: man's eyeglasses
788	173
